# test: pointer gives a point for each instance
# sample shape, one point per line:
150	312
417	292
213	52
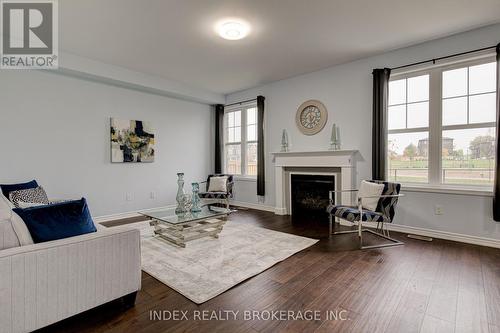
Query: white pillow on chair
369	189
218	184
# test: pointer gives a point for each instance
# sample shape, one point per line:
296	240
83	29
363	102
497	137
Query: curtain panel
379	130
261	167
496	184
219	137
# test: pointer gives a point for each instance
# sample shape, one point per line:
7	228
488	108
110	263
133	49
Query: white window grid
435	128
244	142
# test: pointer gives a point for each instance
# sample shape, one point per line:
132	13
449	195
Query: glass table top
169	215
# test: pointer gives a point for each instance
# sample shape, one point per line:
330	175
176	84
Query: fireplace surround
340	163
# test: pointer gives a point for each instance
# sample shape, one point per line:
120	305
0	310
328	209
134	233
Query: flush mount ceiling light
232	29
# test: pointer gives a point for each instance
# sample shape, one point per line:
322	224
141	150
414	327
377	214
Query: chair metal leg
395	242
359	230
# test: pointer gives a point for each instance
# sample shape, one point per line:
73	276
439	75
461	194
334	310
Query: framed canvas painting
132	141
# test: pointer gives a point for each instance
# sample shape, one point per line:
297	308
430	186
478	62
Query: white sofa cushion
12	223
369	189
8	237
5	208
21	230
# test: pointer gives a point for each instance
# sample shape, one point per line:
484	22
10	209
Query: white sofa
43	283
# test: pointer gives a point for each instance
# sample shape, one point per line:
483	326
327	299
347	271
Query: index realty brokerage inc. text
281	315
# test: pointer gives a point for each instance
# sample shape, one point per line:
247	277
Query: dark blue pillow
7	188
57	221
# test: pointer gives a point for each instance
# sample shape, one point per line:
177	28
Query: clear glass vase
180	198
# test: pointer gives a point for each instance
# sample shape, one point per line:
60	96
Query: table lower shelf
185	232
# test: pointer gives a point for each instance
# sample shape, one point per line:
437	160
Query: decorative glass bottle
196	198
180	194
284	141
335	138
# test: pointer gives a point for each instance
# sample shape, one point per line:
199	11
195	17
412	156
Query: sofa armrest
44	283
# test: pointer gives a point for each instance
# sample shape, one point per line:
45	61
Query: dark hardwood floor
437	286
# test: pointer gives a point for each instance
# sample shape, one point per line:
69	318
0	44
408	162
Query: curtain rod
445	57
242	102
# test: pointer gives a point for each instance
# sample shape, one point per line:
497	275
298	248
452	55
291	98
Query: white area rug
207	267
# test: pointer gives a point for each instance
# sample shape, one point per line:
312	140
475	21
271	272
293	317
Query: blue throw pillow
57	221
7	188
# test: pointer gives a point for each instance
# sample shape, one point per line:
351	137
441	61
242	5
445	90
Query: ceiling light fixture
233	29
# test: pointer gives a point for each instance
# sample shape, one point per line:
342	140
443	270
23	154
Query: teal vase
196	198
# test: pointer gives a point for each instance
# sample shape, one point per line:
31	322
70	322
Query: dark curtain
379	131
219	138
496	185
261	167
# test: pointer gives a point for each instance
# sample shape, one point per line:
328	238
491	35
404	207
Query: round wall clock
311	117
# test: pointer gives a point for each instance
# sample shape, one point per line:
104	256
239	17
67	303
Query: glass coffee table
179	229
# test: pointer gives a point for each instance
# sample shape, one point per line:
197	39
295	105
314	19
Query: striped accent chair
384	213
219	197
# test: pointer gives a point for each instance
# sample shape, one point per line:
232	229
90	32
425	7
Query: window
241	141
408	138
441	125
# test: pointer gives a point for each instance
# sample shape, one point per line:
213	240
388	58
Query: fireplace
340	164
309	194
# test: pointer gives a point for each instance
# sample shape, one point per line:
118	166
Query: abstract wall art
132	141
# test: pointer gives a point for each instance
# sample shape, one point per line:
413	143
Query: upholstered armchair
218	196
384	213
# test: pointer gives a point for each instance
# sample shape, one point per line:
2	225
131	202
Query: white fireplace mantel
339	159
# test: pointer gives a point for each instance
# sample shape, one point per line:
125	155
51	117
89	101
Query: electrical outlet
129	197
152	195
438	210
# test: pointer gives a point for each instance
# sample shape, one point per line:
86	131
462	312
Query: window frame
435	127
243	143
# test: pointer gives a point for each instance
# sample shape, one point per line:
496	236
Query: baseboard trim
483	241
252	205
126	215
280	211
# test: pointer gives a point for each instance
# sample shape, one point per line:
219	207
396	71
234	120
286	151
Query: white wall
55	128
346	90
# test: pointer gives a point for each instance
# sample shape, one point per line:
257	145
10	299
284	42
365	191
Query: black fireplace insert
310	194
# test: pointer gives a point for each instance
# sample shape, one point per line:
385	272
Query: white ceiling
175	39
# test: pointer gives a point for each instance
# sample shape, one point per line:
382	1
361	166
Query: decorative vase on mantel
284	141
180	198
335	138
